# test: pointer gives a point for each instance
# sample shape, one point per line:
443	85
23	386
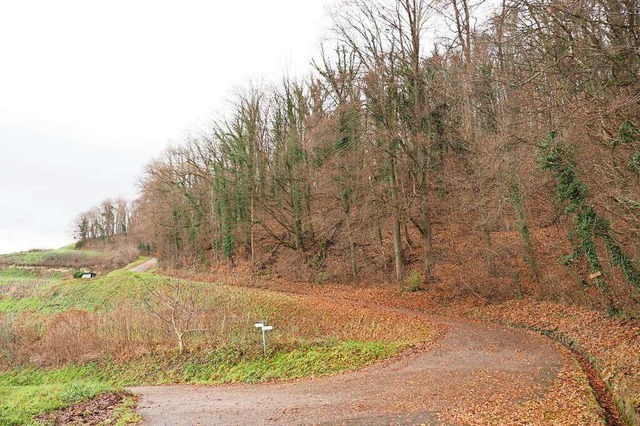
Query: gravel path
144	267
474	363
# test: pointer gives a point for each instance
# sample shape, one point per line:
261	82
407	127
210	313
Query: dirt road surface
144	267
475	363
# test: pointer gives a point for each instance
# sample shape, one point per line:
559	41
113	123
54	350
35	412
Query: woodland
454	183
490	148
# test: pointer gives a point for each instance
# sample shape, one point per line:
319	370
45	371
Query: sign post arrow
264	328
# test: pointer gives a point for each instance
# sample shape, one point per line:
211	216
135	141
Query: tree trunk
490	256
251	231
180	343
352	249
397	250
397	235
383	253
427	243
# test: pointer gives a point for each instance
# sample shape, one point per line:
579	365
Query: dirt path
475	363
144	267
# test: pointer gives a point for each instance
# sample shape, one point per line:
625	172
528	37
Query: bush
413	282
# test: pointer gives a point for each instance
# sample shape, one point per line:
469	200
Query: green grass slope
63	341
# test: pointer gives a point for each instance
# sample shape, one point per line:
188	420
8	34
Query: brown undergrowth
225	317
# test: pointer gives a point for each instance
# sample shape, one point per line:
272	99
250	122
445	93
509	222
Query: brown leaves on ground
567	402
94	411
611	344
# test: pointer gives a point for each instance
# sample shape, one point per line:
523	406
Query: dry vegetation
72	328
63	341
109	408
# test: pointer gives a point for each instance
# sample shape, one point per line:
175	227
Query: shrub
414	282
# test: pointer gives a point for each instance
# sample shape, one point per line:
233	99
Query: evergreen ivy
558	158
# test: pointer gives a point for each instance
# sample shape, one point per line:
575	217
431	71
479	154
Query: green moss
634	163
308	361
18	273
125	413
22	278
413	282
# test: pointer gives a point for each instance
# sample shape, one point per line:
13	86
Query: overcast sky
91	91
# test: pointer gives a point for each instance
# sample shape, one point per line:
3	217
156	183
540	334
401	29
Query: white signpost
261	325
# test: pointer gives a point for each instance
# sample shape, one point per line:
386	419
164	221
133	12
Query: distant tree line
524	120
103	222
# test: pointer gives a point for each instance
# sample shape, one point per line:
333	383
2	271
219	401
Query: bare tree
177	304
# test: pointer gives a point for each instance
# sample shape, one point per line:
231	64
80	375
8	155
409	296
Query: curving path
144	267
474	363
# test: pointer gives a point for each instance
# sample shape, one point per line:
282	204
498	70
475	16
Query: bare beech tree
176	304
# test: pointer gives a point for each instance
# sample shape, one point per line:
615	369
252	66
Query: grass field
63	341
21	276
58	258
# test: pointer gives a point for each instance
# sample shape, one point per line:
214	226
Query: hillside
67	340
441	221
505	156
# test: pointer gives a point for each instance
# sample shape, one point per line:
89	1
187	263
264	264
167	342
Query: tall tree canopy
401	144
